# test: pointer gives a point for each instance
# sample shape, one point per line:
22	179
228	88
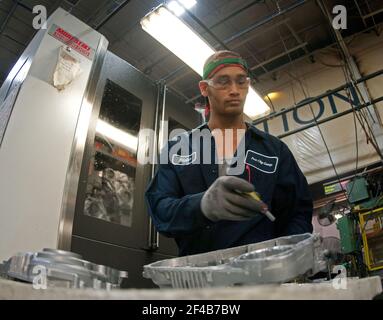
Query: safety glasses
225	82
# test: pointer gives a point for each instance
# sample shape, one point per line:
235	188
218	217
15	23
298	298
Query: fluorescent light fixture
170	31
120	137
187	45
177	8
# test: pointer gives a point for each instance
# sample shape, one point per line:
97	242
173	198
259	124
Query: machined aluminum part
61	269
274	261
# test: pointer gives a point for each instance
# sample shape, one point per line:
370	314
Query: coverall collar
210	171
251	127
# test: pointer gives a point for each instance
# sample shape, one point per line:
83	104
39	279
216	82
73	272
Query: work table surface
365	288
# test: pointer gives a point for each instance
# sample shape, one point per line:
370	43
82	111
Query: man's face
226	91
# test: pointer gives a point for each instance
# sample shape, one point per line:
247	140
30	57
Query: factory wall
305	79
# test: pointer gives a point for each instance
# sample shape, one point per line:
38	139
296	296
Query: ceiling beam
303	45
296	36
264	21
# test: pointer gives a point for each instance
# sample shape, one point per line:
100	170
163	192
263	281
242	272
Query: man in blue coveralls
199	193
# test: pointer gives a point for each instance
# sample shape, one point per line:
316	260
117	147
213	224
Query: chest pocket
190	177
263	170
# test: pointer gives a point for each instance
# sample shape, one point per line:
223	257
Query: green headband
214	64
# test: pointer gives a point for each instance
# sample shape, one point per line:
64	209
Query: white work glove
223	201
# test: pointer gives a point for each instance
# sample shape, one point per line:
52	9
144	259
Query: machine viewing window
112	171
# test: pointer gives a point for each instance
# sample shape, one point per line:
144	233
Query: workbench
357	289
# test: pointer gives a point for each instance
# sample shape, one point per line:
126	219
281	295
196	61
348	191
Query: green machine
360	196
364	194
361	199
347	227
346	224
357	191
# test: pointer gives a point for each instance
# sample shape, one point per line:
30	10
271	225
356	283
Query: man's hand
223	200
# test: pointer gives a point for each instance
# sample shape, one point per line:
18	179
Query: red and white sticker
71	41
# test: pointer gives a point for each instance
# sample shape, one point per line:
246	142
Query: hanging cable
316	122
348	74
324	140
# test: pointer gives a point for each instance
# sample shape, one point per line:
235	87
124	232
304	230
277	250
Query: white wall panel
305	79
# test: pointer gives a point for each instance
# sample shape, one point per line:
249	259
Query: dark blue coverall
174	195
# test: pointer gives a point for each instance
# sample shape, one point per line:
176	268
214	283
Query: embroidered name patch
261	162
178	160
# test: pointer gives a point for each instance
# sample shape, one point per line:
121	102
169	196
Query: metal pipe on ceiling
373	13
326	94
301	46
368	15
265	20
312	53
351	70
235	13
265	30
360	13
296	36
335	116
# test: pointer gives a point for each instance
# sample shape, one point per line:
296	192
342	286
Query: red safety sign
71	41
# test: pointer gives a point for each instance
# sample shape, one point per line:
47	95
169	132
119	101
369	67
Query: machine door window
112	170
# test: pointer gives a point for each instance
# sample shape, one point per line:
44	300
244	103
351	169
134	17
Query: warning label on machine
71	41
